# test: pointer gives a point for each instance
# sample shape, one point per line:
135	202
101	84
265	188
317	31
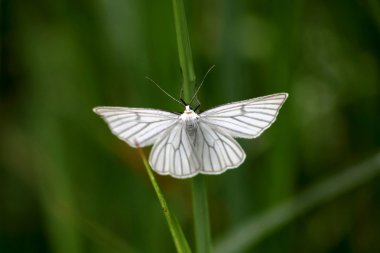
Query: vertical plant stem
201	219
200	207
184	49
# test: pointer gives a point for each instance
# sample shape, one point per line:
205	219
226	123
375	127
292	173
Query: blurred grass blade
200	207
374	7
93	231
58	210
178	236
256	228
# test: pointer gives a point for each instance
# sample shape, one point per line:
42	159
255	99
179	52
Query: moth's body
190	119
190	143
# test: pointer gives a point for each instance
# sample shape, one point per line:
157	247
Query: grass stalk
200	207
180	241
201	219
184	49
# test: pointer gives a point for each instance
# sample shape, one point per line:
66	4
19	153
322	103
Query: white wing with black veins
247	118
174	154
216	150
138	127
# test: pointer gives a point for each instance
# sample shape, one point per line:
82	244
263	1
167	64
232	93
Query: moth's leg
198	104
182	84
181	92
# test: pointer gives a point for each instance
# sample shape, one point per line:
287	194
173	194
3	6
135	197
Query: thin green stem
179	239
200	207
184	49
201	219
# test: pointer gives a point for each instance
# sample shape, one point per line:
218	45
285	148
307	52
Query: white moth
190	143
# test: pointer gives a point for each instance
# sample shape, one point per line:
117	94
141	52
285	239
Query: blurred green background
68	185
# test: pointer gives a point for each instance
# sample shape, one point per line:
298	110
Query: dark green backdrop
68	185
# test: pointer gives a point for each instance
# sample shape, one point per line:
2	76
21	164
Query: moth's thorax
189	115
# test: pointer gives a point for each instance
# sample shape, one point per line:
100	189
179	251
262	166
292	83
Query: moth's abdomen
191	126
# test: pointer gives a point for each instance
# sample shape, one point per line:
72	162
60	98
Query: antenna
199	87
163	90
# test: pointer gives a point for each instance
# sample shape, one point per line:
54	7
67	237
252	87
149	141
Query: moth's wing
217	151
248	118
138	127
173	153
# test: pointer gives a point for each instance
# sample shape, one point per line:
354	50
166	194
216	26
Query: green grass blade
175	229
256	228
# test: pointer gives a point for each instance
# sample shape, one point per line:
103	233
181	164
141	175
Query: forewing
217	151
137	126
248	118
173	153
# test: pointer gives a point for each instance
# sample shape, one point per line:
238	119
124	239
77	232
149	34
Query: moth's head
188	109
188	114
